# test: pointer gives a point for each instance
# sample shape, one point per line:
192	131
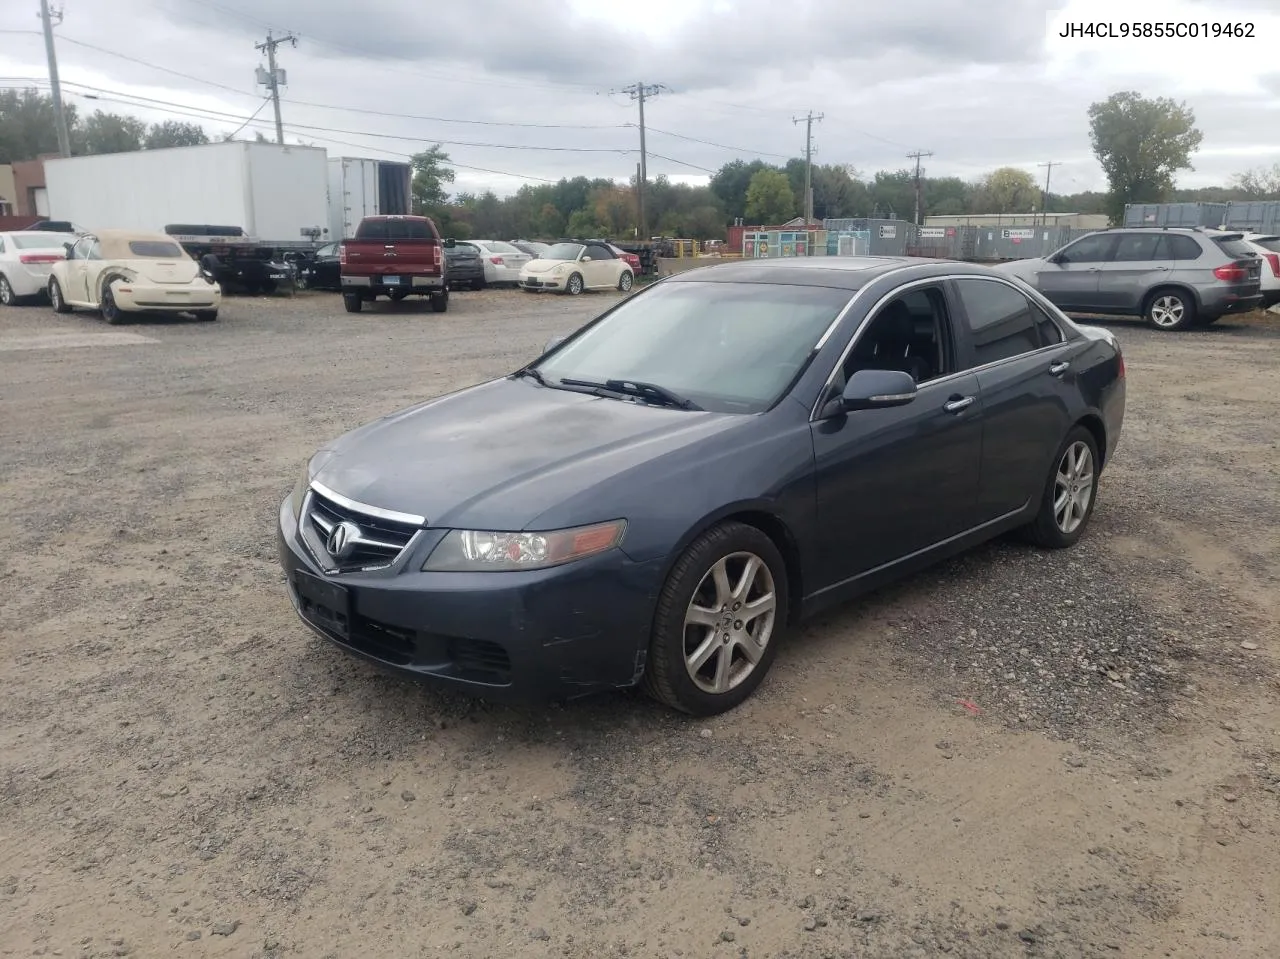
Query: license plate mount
328	604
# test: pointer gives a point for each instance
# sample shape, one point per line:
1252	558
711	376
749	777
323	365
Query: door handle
958	404
1094	269
1057	369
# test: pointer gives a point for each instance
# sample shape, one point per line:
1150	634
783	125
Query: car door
93	264
1138	262
77	263
1069	278
1020	357
602	270
891	482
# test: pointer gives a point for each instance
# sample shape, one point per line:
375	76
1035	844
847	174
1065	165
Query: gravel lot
1016	754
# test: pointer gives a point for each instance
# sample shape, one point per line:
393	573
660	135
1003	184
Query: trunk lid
165	272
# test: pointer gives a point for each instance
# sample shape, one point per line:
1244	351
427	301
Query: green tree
1260	183
27	128
174	133
1006	190
583	224
769	198
1141	144
730	184
430	174
893	194
108	133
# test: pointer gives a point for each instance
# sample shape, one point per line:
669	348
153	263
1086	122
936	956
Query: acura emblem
342	541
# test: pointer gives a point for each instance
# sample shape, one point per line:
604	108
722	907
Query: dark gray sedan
665	493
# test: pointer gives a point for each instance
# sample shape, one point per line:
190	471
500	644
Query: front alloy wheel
624	284
574	286
719	620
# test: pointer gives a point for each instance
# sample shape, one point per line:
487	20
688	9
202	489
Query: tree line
1140	143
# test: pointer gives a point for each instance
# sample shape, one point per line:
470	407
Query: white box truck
277	194
360	187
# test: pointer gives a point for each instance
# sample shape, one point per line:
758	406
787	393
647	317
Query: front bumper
527	637
138	297
541	281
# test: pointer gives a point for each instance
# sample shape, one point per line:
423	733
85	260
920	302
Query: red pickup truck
395	257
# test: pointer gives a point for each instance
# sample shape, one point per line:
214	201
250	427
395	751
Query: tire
574	286
1053	528
668	677
206	316
107	304
626	281
354	302
439	302
56	299
7	296
1169	310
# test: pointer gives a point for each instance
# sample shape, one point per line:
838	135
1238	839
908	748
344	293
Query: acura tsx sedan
662	495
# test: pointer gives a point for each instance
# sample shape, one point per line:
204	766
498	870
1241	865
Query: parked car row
1173	277
115	272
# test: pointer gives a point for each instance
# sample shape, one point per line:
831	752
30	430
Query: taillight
342	254
1274	260
1232	273
496	260
40	257
1120	356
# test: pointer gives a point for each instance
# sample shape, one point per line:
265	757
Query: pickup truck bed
395	257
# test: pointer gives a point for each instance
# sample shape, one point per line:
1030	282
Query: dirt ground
1015	754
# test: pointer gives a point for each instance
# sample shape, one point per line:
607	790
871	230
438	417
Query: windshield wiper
532	373
649	392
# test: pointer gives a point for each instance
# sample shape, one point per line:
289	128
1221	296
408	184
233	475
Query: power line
808	163
638	91
156	66
712	143
916	156
693	166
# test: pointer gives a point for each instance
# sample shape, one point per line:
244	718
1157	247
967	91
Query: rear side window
600	253
1271	243
155	249
394	230
1176	247
1134	247
1094	248
1001	321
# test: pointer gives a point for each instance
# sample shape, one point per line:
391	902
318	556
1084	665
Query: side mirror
68	247
1056	258
450	243
586	259
552	343
878	389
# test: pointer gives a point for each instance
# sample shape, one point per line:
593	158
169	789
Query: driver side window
1089	249
911	333
81	250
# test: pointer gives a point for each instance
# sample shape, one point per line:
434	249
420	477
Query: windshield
562	251
1234	245
730	349
42	241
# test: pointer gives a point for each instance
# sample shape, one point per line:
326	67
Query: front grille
377	544
480	659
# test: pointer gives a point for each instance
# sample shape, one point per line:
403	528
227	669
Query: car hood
544	266
498	455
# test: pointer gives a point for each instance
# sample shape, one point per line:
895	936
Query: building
1074	221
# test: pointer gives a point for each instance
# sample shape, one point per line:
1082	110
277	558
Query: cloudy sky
528	91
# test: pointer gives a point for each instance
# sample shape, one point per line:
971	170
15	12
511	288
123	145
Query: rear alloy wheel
574	286
55	298
1069	496
625	282
439	302
110	309
7	296
1170	311
354	302
719	620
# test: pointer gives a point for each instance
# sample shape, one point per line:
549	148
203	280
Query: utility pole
808	163
272	78
47	18
638	92
1044	202
916	156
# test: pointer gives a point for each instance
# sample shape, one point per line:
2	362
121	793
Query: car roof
841	272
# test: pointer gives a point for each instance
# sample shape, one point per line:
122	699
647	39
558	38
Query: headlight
464	551
562	267
300	492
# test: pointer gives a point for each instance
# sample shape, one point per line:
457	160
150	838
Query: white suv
1267	246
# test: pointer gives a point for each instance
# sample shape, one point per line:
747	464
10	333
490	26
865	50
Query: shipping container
1260	216
1175	214
360	187
276	194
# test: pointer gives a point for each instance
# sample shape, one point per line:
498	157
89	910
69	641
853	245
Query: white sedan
118	272
25	260
502	261
574	267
